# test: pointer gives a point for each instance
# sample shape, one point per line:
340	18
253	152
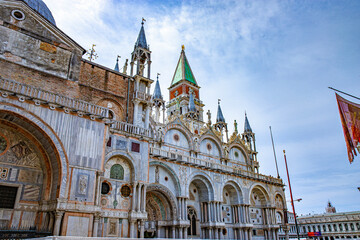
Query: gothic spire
183	70
141	40
220	117
157	90
247	128
117	64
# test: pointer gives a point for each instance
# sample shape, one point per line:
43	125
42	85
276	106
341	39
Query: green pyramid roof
183	70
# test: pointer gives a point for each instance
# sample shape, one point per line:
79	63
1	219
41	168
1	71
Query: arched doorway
232	212
31	173
260	213
201	196
161	210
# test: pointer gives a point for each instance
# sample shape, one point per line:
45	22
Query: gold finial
284	151
143	20
92	53
183	47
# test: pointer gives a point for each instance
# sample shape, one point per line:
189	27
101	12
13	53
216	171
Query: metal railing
211	164
31	92
131	129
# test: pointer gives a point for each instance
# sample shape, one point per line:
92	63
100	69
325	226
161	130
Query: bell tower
141	64
184	91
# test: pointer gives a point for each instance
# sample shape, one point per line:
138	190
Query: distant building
291	229
332	225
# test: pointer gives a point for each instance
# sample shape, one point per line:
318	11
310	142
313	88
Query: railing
132	129
211	164
142	96
49	97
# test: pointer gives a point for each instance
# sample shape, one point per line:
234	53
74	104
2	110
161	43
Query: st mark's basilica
90	151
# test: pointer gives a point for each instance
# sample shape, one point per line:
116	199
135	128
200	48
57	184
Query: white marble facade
69	168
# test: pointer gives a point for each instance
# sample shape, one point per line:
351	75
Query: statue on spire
125	66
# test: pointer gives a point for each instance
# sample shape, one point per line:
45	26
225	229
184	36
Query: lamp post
292	201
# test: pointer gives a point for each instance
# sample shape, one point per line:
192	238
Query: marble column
142	228
132	228
133	203
180	205
208	212
246	234
201	212
144	199
136	110
173	233
51	221
185	233
96	225
210	233
180	232
58	218
274	234
216	232
147	116
185	209
138	197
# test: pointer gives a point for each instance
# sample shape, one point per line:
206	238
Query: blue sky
272	59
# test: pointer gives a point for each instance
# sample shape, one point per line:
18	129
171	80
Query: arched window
192	219
117	172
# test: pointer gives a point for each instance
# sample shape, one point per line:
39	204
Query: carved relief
183	178
157	175
82	186
112	227
125	204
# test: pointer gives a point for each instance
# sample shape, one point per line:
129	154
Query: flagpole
343	93
291	196
272	140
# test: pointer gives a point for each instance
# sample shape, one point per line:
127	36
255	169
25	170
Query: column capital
59	214
97	217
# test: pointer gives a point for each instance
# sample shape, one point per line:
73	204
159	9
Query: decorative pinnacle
183	47
117	59
142	21
157	76
219	101
284	151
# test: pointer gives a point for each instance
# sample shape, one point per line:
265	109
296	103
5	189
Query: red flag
350	120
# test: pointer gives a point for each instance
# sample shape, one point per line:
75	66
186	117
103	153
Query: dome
40	7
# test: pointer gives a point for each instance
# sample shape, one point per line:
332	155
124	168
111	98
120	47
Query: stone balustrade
10	87
130	129
142	96
210	165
